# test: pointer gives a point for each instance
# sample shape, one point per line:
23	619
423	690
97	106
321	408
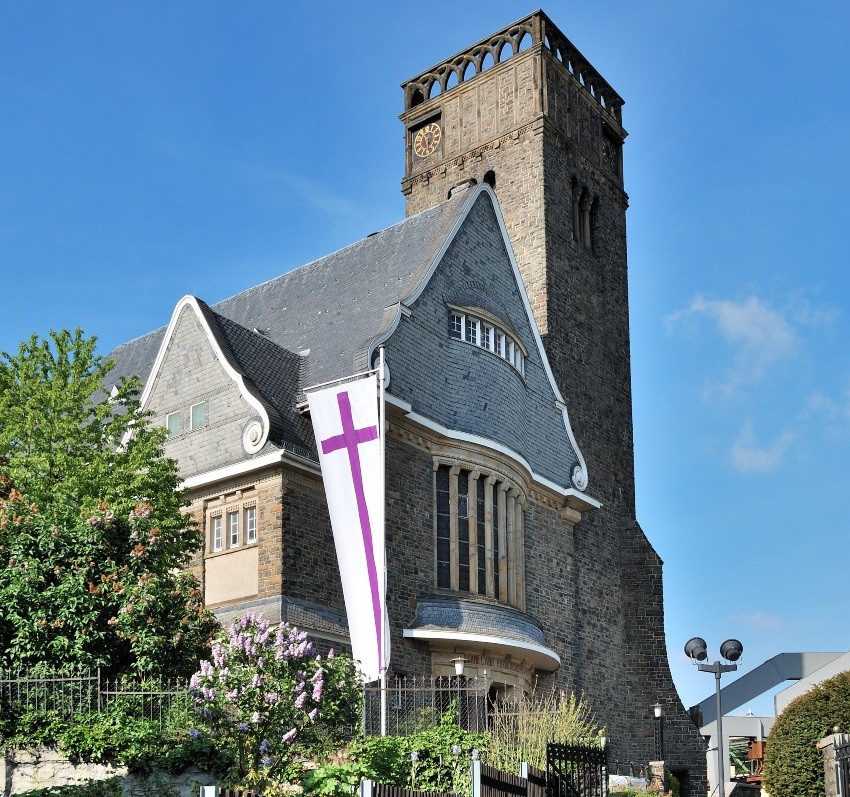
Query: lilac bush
269	698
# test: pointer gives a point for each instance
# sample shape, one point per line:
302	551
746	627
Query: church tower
524	111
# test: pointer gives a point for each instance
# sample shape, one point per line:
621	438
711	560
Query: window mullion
502	533
453	534
488	537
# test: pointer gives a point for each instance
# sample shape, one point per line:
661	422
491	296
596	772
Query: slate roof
472	617
314	324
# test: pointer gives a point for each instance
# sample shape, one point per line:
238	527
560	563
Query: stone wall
41	768
529	127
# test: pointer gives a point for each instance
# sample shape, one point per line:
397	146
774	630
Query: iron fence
576	770
63	697
414	704
842	770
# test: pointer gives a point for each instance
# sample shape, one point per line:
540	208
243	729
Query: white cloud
761	336
831	409
748	457
758	619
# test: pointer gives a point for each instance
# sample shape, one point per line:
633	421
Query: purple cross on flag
345	422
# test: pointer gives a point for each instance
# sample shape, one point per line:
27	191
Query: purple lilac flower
194	733
414	756
255	718
264	746
268	761
475	754
301	700
313	714
289	736
455	749
242	726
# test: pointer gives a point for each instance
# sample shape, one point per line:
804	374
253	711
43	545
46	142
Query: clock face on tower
427	139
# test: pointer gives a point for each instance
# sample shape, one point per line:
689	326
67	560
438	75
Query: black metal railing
63	697
576	770
842	770
414	704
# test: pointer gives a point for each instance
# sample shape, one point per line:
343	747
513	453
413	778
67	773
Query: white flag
345	422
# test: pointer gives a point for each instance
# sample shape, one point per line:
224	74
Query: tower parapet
535	30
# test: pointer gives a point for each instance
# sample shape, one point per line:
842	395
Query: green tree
92	536
793	765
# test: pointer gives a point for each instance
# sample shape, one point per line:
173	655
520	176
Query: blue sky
149	150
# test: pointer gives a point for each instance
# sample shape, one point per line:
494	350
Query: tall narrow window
216	533
481	536
250	525
233	529
456	328
198	415
172	423
496	539
443	528
463	530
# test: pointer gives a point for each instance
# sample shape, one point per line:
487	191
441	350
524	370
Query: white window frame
250	524
216	533
488	336
192	426
168	417
233	529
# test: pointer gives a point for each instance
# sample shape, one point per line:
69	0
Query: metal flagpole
382	438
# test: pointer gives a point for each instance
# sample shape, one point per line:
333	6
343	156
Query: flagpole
382	406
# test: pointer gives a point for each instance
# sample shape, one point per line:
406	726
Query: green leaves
436	759
793	765
92	534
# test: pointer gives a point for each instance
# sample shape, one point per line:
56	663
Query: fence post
523	769
99	707
209	791
366	787
476	779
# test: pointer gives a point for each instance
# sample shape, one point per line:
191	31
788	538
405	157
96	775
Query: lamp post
460	664
731	650
658	711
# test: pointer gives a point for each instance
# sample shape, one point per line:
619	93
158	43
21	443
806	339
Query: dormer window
485	333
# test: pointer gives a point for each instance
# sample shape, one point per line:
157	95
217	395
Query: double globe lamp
731	650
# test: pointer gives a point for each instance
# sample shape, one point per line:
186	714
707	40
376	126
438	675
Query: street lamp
658	711
460	665
731	650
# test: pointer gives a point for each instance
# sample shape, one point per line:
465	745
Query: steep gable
217	414
466	390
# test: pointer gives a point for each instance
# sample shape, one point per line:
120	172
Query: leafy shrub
111	787
436	759
334	780
119	735
793	765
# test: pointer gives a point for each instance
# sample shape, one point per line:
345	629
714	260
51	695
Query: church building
501	301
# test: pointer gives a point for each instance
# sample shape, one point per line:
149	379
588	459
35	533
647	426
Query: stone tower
524	111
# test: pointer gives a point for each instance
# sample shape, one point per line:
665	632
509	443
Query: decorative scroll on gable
195	367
